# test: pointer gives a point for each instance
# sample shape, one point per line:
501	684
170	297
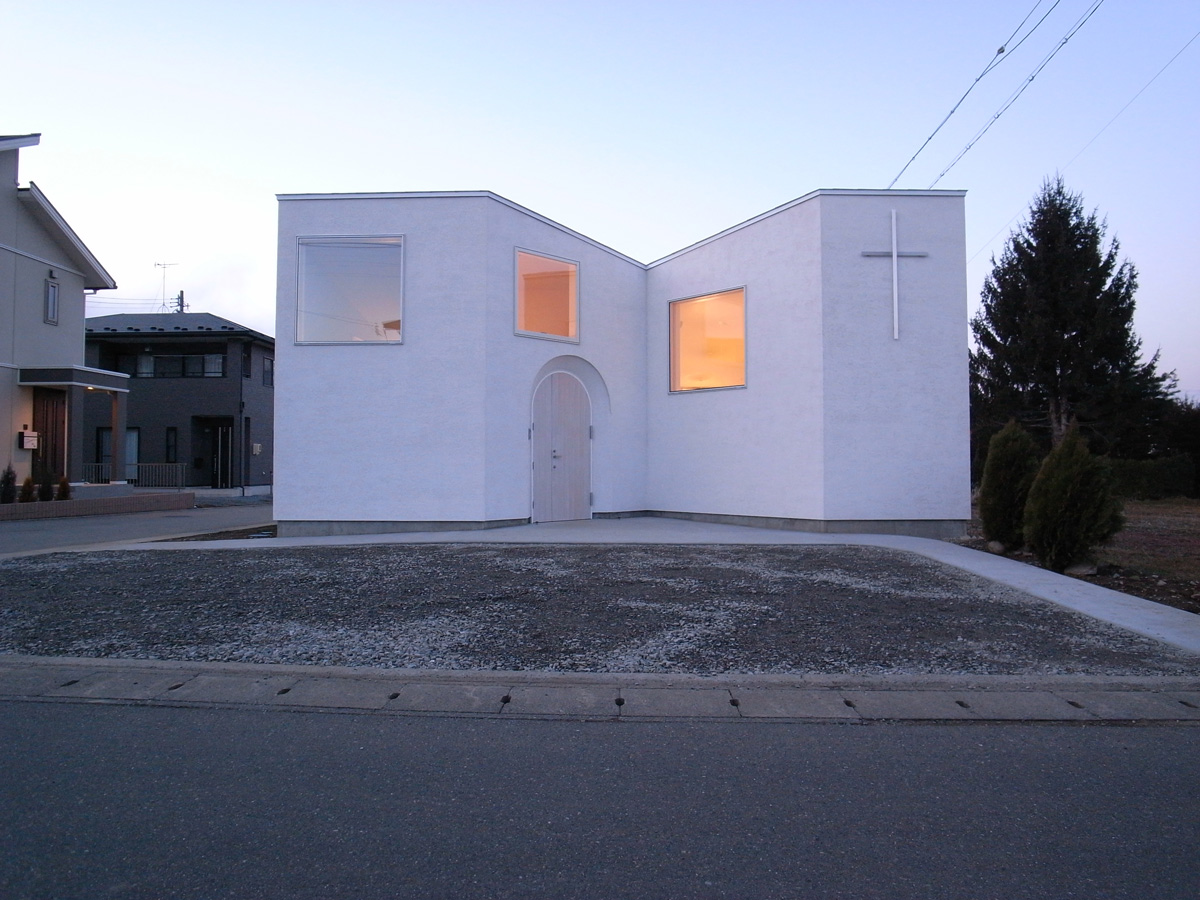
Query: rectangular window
50	305
145	365
268	371
247	361
168	367
193	367
214	365
351	290
708	341
172	448
547	296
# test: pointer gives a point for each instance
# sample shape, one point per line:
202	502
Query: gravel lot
629	608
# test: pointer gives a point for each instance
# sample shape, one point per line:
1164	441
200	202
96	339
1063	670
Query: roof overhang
95	277
74	376
17	141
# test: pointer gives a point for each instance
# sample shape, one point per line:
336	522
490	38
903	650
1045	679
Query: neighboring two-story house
200	398
45	272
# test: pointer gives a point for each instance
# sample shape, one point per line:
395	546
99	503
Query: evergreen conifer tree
1054	336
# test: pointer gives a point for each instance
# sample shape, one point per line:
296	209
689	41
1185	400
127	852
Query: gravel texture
640	608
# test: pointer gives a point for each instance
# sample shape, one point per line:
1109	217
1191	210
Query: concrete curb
605	696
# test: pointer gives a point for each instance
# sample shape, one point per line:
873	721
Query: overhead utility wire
1191	41
1016	94
992	63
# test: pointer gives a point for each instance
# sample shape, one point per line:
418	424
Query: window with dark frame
50	303
268	371
172	448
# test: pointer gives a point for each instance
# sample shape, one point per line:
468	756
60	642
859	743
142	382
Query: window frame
671	364
542	335
268	371
51	295
303	240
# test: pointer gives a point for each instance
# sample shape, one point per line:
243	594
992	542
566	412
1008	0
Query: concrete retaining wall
96	506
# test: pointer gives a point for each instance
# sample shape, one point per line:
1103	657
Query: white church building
453	360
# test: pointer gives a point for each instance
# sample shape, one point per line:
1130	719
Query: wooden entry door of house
562	450
50	423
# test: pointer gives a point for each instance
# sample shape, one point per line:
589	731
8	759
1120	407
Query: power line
992	63
1120	112
1024	86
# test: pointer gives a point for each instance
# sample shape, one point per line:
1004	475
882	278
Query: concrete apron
1082	699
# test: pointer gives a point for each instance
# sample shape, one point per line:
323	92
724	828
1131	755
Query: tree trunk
1060	419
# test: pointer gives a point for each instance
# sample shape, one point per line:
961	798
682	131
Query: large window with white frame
708	341
547	297
351	290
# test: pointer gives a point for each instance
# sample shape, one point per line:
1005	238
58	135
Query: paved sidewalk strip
605	696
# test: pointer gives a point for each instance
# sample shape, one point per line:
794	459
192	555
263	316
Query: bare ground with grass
1156	556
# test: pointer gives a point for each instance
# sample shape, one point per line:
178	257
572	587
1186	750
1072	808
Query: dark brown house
201	399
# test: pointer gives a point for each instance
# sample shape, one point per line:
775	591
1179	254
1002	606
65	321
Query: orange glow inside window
708	341
546	296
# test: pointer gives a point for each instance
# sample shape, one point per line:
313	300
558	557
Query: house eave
811	195
95	276
73	376
489	195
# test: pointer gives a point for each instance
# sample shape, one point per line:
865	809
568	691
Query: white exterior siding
837	422
896	411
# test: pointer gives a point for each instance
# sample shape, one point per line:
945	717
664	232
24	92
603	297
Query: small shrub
1071	506
1012	464
8	485
45	491
28	491
64	489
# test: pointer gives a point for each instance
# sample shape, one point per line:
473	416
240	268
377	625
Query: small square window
547	297
50	304
708	341
350	291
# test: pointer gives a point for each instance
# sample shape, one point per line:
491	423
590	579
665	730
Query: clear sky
167	128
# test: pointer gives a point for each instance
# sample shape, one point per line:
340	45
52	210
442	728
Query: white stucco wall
611	291
837	420
387	432
436	428
896	411
754	451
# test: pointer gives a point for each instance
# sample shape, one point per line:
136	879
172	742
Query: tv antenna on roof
164	267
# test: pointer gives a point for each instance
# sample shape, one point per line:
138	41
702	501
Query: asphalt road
116	801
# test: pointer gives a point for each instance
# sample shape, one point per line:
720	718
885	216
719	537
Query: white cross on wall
895	255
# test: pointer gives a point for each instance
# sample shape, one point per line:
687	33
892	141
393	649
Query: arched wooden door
562	449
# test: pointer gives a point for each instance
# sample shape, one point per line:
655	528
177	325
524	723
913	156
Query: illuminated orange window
546	296
708	341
